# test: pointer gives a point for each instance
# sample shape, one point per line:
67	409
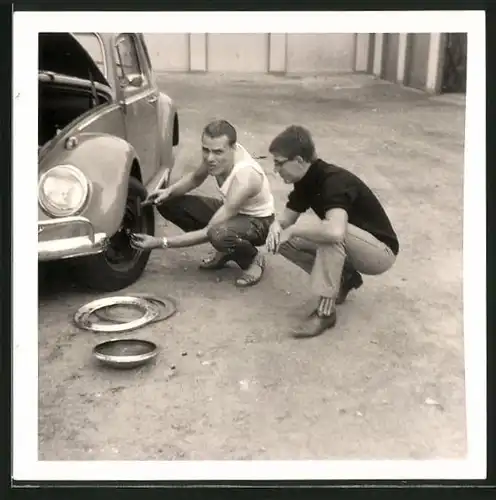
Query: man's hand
274	237
144	241
286	235
157	197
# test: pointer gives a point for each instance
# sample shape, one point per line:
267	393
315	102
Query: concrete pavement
245	389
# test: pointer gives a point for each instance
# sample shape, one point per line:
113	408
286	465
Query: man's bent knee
300	252
297	244
222	238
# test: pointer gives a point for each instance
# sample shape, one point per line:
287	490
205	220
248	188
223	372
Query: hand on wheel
157	197
142	241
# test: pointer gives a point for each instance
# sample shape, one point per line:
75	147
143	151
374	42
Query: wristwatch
164	243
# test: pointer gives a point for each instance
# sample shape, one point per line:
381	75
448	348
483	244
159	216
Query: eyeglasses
279	164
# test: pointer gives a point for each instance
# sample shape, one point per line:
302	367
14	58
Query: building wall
169	51
412	59
238	52
253	52
320	52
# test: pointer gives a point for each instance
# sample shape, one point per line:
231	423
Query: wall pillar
277	53
435	62
378	54
362	51
198	52
402	55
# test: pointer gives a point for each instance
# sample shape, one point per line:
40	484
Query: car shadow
56	279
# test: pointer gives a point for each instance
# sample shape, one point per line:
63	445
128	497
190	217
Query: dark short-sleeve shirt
326	186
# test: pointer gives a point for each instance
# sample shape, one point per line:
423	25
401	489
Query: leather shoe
351	280
315	325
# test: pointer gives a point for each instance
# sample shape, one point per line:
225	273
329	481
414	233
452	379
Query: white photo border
26	26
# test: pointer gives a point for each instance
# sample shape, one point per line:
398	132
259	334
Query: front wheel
121	264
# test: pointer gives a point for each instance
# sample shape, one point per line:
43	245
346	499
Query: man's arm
330	230
288	218
296	204
338	195
189	182
245	185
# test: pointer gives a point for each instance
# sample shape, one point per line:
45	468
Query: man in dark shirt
352	234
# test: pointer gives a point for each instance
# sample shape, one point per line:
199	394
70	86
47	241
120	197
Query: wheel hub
119	251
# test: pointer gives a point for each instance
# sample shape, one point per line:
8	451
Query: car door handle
152	99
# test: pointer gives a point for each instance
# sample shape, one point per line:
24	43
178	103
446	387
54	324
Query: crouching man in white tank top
235	223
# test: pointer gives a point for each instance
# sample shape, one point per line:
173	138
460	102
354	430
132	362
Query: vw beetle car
106	136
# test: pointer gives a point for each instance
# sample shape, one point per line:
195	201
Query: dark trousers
238	236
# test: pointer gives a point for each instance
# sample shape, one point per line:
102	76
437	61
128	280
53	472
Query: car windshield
93	46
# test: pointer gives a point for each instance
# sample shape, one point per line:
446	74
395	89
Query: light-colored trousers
325	263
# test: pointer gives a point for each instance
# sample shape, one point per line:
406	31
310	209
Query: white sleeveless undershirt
259	205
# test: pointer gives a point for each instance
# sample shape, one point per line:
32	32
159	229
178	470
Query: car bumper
68	237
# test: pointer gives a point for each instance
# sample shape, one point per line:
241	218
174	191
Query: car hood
62	53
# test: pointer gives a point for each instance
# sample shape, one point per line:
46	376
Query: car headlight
63	191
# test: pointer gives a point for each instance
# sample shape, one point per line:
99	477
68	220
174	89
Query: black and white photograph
255	246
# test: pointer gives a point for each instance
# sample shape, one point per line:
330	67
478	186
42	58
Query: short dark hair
218	128
294	141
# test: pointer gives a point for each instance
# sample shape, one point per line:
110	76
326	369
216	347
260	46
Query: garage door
320	52
417	57
455	63
238	52
390	57
168	51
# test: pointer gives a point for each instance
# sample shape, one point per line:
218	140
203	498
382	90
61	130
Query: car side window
127	62
147	55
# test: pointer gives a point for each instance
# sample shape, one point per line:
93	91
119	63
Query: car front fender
107	162
166	117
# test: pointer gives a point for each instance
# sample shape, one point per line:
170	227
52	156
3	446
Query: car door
140	100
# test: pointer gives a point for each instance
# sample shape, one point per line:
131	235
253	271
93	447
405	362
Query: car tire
100	272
